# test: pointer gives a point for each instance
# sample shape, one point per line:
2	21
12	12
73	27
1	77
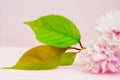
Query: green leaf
41	57
68	58
55	30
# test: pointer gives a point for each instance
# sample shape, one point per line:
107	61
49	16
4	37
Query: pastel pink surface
83	13
73	72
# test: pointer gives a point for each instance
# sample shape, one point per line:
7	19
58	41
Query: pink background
83	13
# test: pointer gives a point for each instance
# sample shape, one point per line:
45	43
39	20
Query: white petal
98	57
103	66
111	67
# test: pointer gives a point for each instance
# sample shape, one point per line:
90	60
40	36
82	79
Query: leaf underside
40	58
68	58
55	30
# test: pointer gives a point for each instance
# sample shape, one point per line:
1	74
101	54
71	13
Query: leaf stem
82	48
81	45
74	48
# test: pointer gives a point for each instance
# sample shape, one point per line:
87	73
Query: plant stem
81	45
78	48
74	48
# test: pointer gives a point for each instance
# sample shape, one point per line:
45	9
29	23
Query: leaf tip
26	22
6	68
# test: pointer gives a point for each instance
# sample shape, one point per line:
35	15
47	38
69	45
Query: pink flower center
117	33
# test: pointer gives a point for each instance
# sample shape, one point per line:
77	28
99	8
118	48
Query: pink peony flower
103	55
100	58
